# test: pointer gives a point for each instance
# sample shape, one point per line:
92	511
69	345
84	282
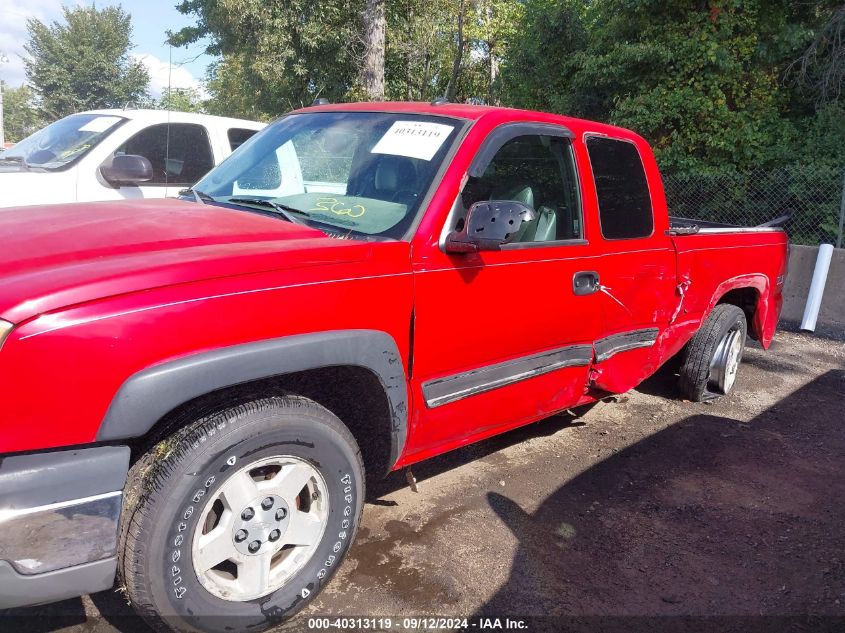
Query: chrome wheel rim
725	363
260	528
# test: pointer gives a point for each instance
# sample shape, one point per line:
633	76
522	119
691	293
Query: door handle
585	282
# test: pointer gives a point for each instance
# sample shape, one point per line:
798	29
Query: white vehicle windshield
60	143
357	173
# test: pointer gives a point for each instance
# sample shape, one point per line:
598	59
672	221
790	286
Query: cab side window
538	171
238	136
180	155
622	189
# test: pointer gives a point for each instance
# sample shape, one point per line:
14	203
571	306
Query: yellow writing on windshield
74	150
338	207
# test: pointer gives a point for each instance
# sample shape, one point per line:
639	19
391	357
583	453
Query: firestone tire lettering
196	469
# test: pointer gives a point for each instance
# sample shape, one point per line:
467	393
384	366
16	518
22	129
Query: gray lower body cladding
59	516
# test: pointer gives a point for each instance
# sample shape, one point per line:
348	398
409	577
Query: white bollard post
814	297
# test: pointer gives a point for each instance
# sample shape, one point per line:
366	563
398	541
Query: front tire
237	520
711	359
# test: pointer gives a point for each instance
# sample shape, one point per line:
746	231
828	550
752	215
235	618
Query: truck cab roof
472	112
148	115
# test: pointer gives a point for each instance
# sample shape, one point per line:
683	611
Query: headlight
5	328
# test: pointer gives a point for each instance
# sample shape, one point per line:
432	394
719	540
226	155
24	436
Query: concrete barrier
802	260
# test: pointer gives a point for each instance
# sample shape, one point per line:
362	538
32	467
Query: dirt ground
648	506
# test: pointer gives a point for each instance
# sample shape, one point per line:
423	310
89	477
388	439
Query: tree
228	82
286	54
281	55
460	44
704	81
20	113
181	100
419	48
84	63
372	76
491	32
538	72
821	68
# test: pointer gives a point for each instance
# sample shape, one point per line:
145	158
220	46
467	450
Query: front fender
147	396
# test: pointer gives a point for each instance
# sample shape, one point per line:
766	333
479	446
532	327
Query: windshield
62	142
352	172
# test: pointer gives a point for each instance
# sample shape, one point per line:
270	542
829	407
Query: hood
20	188
55	256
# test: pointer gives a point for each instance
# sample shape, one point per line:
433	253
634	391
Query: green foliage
277	55
420	46
706	91
820	71
20	113
84	64
821	137
703	82
491	31
539	69
228	82
281	54
181	100
730	93
809	193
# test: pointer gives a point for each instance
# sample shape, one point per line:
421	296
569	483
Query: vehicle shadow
709	517
112	614
43	618
664	382
436	465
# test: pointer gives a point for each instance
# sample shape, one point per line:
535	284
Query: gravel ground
642	507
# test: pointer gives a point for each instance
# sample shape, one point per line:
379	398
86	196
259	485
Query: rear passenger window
622	189
238	136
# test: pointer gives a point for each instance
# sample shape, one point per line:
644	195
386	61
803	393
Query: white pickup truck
117	154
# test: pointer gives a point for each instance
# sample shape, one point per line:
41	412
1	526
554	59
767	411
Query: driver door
180	154
500	337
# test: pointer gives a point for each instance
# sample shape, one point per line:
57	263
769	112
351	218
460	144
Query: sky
150	20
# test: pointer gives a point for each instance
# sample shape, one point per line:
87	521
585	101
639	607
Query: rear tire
711	359
272	488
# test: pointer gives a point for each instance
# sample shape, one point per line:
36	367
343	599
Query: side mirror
126	169
488	226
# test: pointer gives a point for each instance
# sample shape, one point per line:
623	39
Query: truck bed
692	225
721	259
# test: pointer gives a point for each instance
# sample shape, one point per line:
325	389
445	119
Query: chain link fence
811	194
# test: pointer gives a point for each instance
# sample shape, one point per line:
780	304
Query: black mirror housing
126	169
489	225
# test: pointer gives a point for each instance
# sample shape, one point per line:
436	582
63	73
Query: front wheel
711	360
239	519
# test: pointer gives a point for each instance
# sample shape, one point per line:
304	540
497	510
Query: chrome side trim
11	514
740	229
624	341
62	534
458	386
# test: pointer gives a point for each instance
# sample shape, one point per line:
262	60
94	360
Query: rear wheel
238	520
711	360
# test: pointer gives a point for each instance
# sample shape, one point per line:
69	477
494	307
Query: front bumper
59	514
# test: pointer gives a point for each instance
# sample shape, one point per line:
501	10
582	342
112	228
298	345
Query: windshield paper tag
414	139
100	124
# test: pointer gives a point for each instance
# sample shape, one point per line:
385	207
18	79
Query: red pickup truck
194	390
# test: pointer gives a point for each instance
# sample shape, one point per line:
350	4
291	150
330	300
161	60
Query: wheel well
354	394
746	299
